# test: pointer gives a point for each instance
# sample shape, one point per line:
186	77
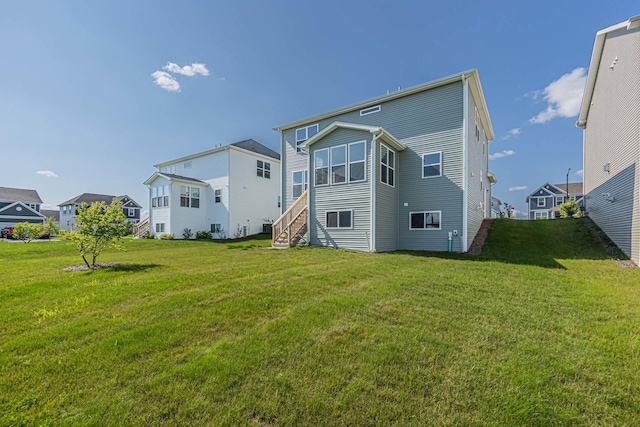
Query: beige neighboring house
610	116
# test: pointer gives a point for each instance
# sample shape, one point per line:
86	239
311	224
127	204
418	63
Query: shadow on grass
536	243
134	268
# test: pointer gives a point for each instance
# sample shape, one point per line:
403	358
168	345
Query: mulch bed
478	241
93	267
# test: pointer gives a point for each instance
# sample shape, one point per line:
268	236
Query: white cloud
50	174
513	132
563	96
580	173
501	154
221	79
166	81
518	188
519	214
187	70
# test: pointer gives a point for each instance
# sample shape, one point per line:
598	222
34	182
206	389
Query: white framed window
425	220
357	163
541	202
387	165
160	196
432	165
300	182
559	200
302	134
160	227
477	122
338	164
339	219
187	165
263	169
321	167
541	215
170	169
189	197
131	212
217	196
215	228
370	110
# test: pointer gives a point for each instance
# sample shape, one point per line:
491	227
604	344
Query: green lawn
542	329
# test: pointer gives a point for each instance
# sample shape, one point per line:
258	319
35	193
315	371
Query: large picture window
160	196
387	165
302	134
432	165
426	220
339	164
321	167
189	197
300	182
339	219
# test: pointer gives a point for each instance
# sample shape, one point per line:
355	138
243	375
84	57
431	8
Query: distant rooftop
19	195
89	198
574	187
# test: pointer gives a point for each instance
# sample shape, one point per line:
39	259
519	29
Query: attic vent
370	110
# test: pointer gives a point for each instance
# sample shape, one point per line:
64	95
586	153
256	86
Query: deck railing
293	222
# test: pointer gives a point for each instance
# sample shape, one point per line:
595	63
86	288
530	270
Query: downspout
465	137
372	245
283	166
309	189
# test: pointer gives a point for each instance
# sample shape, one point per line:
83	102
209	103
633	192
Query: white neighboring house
232	191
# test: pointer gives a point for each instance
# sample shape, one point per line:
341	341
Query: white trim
425	228
370	110
337	211
212	151
345	164
465	167
23	205
372	208
374	130
431	164
305	182
395	155
300	142
328	166
364	161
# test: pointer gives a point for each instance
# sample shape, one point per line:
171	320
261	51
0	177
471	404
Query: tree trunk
85	261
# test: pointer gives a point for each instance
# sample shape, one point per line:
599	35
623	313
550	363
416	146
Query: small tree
98	227
51	227
508	211
27	232
570	208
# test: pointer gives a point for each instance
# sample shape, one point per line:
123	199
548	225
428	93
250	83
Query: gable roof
89	198
18	206
574	187
375	130
172	177
8	194
470	75
247	145
594	65
256	147
51	214
131	201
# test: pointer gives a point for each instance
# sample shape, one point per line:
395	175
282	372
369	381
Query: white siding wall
253	200
163	214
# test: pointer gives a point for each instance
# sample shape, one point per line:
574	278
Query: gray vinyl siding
386	208
612	135
425	122
348	196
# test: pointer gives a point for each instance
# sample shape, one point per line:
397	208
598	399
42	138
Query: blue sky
79	104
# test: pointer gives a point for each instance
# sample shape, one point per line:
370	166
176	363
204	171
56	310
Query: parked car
7	233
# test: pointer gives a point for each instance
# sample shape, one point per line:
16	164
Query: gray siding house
543	203
610	116
68	209
19	205
401	171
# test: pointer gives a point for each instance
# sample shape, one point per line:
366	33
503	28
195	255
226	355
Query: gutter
465	141
372	245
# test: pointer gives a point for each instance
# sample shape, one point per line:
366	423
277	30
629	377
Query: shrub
570	209
186	233
148	235
27	232
202	235
166	236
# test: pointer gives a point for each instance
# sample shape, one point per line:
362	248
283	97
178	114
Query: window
170	169
215	228
189	196
387	165
321	165
540	215
541	202
339	219
432	165
559	200
477	121
279	201
357	161
131	212
160	196
264	169
302	134
300	182
160	227
370	110
187	165
217	194
338	164
427	220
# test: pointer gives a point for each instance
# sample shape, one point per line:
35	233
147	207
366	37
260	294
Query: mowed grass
542	329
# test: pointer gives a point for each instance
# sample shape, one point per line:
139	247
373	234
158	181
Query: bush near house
541	329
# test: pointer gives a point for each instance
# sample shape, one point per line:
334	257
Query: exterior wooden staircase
141	229
291	228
